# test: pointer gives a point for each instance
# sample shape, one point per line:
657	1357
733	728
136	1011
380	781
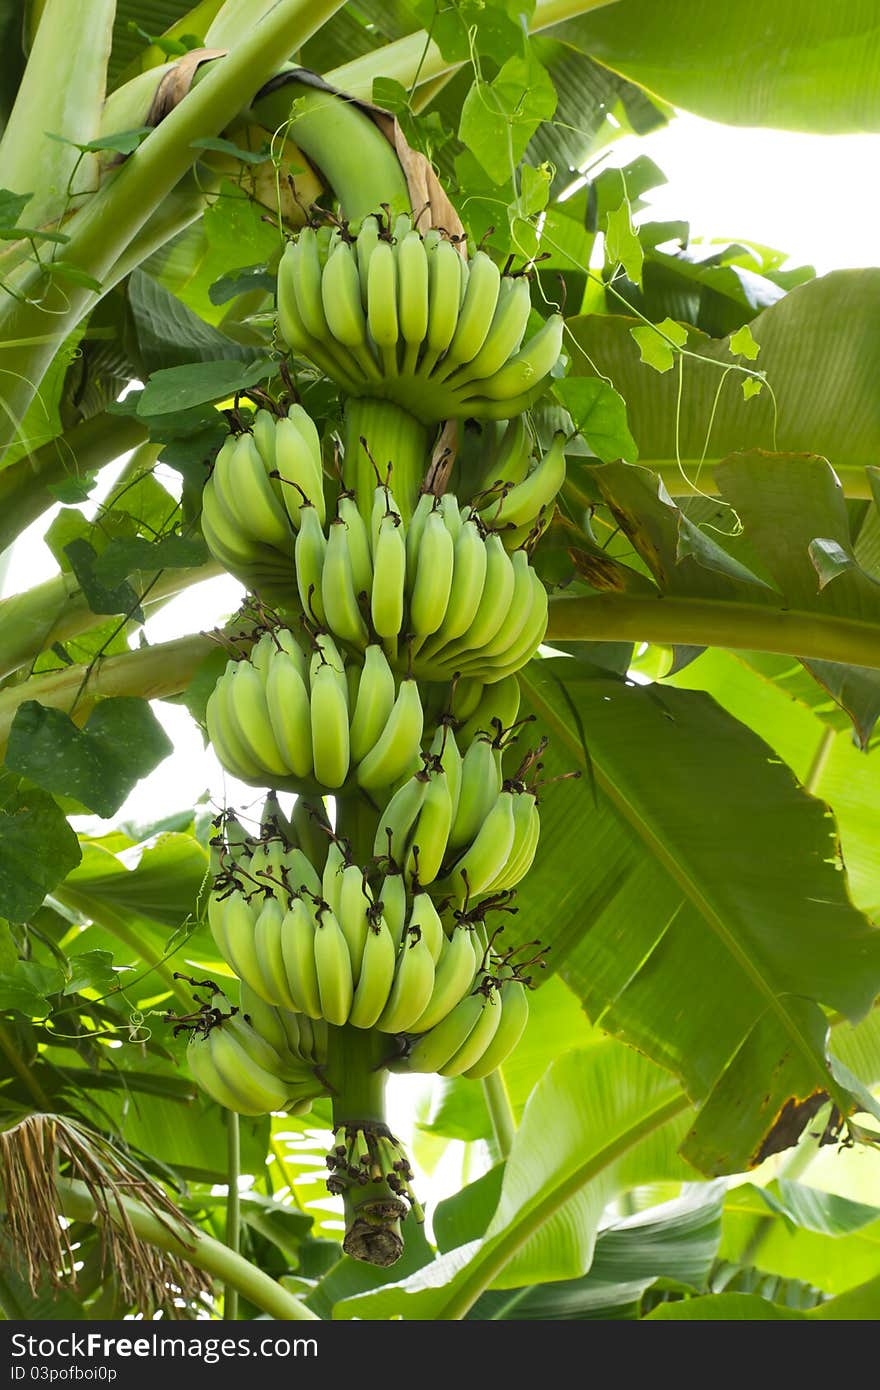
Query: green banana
338	594
353	915
270	957
299	466
374	703
411	990
433	577
485	858
444	278
478	792
367	241
310	550
241	482
333	968
477	1040
223	733
358	539
298	948
330	736
389	577
288	705
376	976
454	975
511	1026
527	499
505	335
466	590
248	706
392	896
431	834
396	753
412	279
424	920
476	313
525	370
398	818
382	305
331	879
436	1048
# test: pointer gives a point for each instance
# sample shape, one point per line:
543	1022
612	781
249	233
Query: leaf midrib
685	881
521	1231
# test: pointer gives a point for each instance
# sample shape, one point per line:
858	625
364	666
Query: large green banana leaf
798	64
664	890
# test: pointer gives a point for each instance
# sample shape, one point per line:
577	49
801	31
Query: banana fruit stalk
286	717
403	317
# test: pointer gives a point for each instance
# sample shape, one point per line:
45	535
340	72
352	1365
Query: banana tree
562	552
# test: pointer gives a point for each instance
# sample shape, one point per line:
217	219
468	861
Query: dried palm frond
33	1153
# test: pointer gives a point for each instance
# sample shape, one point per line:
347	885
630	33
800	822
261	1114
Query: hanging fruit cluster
391	617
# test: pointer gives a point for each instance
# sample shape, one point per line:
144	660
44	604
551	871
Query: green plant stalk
24	485
793	1165
233	1206
393	437
57	610
199	1249
153	673
24	1074
356	1079
500	1111
713	623
416	57
61	93
356	822
115	922
31	332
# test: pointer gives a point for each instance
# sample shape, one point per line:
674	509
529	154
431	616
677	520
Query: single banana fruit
436	1048
396	753
374	703
411	991
330	736
376	976
333	968
453	977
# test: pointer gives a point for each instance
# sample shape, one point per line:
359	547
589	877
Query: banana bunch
287	718
334	949
442	595
459	826
407	318
517	493
264	501
475	1037
241	1069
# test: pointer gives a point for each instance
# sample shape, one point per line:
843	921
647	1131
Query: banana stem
714	623
57	610
395	441
24	485
200	1250
151	672
233	1207
373	1210
500	1111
